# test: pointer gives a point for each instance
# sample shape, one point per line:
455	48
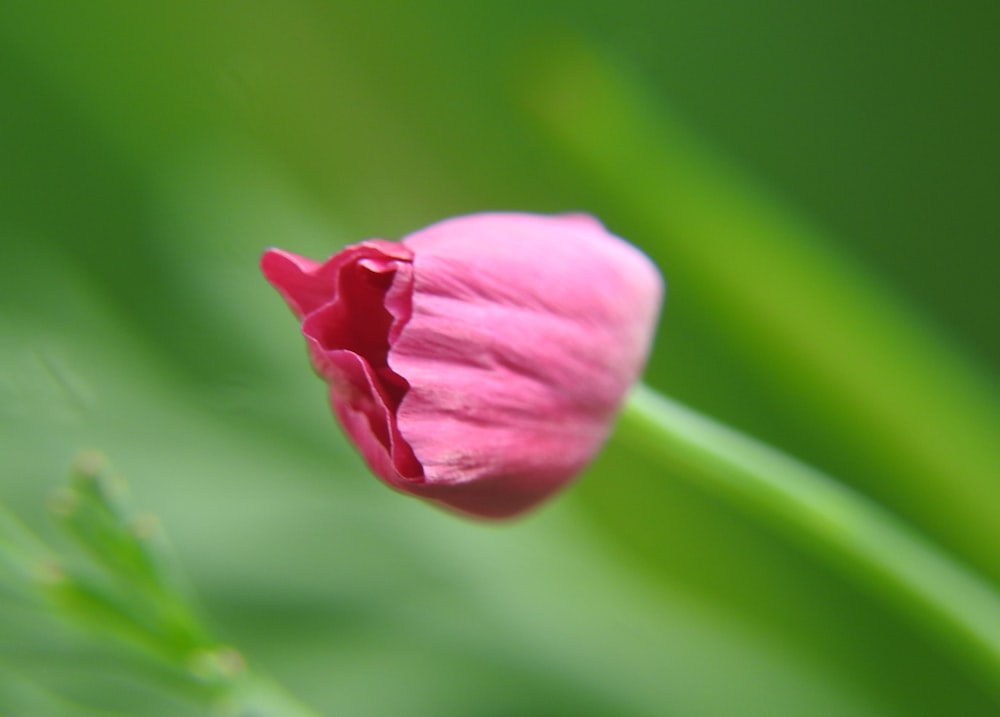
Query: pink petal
351	305
479	363
367	414
307	285
525	333
298	279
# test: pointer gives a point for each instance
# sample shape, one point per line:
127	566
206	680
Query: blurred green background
818	181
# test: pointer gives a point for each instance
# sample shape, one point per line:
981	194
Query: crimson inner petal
358	321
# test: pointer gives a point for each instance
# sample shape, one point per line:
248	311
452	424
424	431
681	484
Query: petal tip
295	278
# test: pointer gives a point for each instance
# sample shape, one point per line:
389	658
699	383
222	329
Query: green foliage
123	591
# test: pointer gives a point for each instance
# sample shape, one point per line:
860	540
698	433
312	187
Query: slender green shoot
856	536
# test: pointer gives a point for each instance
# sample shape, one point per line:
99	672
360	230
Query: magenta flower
479	362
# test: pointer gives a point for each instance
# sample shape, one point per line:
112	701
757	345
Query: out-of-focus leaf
918	420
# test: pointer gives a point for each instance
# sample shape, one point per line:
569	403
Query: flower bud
480	362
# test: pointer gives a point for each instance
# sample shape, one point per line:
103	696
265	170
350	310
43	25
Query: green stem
793	305
857	536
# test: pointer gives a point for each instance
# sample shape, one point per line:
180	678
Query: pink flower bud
479	362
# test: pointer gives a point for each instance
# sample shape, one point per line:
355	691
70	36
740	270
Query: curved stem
854	534
854	356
